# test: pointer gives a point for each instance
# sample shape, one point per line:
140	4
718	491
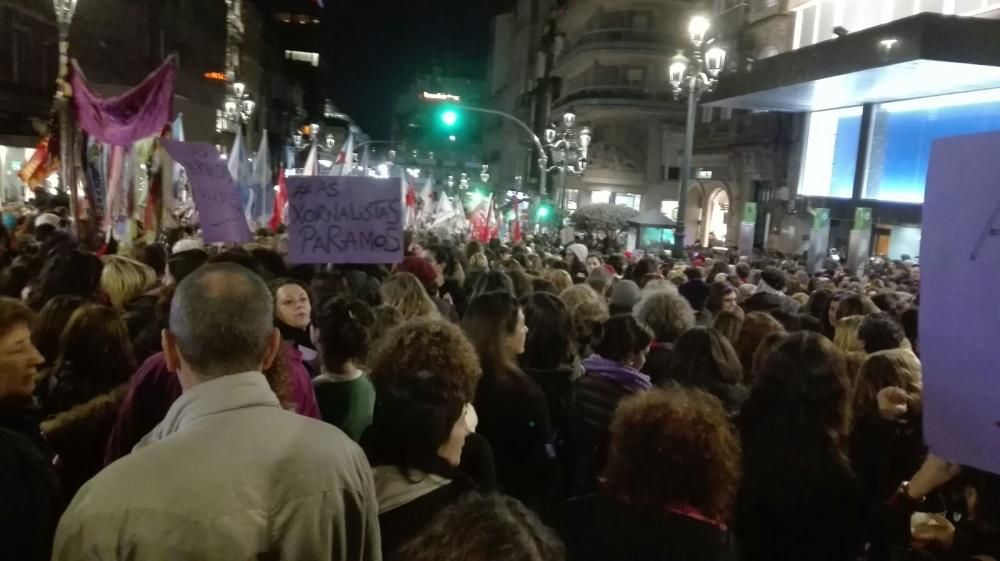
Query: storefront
873	103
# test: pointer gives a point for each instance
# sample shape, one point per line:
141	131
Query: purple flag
344	219
121	120
215	194
959	318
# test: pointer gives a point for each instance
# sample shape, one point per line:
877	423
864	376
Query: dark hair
854	305
645	266
743	271
13	279
154	255
344	326
539	284
446	256
887	302
239	256
703	358
222	317
599	279
795	421
809	323
717	291
620	336
52	321
693	273
909	319
71	272
491	281
756	327
270	261
986	514
95	356
489	320
880	332
549	344
184	263
673	448
617	262
521	283
774	278
729	325
484	528
788	320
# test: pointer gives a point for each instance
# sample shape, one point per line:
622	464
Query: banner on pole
345	219
215	195
960	251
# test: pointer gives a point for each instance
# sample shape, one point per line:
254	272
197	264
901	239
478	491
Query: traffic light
449	117
543	212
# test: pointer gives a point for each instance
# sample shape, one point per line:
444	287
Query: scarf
617	373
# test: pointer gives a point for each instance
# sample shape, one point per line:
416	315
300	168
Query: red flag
515	228
280	198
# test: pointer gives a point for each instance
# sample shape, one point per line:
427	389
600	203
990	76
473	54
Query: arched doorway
717	219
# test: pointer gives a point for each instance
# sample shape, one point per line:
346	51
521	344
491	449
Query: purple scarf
617	373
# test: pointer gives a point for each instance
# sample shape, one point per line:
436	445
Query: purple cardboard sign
215	195
345	219
959	318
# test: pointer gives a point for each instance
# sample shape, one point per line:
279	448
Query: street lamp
568	146
692	76
65	9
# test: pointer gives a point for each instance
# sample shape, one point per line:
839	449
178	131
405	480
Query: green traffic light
449	117
543	212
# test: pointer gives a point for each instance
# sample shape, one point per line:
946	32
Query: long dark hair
344	326
622	335
703	358
490	319
550	332
795	422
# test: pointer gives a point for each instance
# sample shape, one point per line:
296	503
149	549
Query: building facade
606	62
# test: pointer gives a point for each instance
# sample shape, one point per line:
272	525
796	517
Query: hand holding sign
214	191
345	220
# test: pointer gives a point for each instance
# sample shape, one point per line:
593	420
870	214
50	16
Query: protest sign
342	219
215	195
959	317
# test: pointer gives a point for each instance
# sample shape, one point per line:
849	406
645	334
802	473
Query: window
669	209
303	56
905	131
673	173
630	200
831	153
572	199
635	76
600	197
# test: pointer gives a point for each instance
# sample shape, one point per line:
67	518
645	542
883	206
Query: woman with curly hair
799	498
421	441
669	315
671	480
404	292
587	311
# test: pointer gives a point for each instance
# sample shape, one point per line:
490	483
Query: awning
919	56
653	218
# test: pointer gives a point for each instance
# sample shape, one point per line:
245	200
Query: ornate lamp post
65	9
568	146
237	109
692	76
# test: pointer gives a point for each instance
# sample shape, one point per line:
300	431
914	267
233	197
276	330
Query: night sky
376	47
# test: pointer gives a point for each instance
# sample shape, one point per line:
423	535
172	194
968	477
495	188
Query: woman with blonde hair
405	293
886	443
845	338
561	279
124	279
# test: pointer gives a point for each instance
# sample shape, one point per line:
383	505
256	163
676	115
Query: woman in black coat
799	498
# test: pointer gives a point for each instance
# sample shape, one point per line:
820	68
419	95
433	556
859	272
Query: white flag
261	176
312	161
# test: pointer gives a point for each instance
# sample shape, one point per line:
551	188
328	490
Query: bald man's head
221	318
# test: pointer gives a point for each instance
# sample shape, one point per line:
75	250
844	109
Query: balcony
753	128
620	96
640	41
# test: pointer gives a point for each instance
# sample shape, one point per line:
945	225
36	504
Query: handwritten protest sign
959	315
345	220
215	195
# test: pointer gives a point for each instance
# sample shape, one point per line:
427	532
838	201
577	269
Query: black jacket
629	535
884	453
591	412
514	417
658	363
30	499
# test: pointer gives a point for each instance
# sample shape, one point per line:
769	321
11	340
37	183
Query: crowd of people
473	402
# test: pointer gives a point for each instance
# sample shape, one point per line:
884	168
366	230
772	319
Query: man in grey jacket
228	474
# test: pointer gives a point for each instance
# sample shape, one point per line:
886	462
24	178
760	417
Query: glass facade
904	132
